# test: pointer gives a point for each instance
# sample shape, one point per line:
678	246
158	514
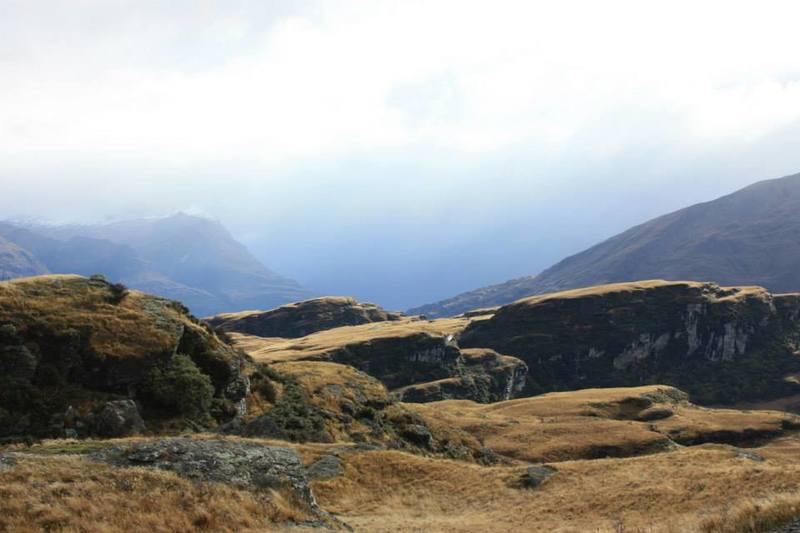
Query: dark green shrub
296	417
48	376
118	292
180	388
17	362
263	386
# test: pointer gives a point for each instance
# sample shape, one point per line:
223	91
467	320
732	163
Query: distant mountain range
182	257
750	237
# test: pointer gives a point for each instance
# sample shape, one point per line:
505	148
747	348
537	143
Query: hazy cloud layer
397	151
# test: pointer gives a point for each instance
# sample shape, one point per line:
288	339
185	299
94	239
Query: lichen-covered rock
120	418
324	468
536	475
719	344
240	464
303	318
7	462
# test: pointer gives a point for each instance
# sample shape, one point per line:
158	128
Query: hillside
749	237
152	421
641	459
182	257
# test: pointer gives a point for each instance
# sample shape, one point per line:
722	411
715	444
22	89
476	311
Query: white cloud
346	78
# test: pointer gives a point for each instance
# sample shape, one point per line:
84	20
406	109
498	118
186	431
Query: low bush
180	389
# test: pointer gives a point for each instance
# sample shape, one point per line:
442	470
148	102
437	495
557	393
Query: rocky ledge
303	318
240	464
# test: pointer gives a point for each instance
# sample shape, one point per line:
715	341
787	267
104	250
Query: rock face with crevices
719	344
479	374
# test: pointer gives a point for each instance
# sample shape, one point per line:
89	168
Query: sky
399	152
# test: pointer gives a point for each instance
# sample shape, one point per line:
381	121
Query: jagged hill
749	237
719	344
83	357
181	257
303	318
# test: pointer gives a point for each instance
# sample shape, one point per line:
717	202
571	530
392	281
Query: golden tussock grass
704	488
597	422
319	345
328	384
63	303
70	494
599	290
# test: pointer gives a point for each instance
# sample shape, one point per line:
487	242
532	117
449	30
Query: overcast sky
399	151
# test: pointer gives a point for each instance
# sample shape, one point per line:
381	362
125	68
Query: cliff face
80	357
418	360
303	318
479	374
718	344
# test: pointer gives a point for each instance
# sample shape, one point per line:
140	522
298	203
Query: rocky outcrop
7	462
481	375
70	345
119	419
536	475
303	318
240	464
719	344
425	366
419	360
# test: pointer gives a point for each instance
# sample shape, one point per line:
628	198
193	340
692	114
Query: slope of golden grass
704	488
596	423
65	303
328	384
71	494
319	345
600	290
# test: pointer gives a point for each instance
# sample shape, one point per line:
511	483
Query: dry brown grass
328	384
65	303
319	345
595	423
705	488
69	494
597	290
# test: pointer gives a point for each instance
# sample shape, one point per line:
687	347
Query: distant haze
398	152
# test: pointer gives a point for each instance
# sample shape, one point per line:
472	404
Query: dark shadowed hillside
750	237
183	257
